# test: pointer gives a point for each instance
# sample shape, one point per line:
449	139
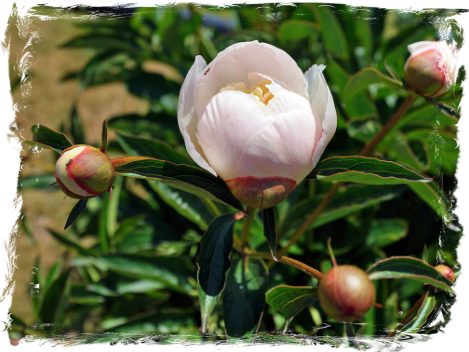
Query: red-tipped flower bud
83	171
445	271
431	68
346	293
17	346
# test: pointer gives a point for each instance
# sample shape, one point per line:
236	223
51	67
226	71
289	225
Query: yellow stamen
260	91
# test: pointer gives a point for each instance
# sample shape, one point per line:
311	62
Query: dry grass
46	100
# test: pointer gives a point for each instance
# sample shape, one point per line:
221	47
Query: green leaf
171	271
72	245
54	272
363	130
186	178
443	148
139	329
432	194
402	152
462	267
420	319
136	146
348	201
459	339
456	117
151	85
384	232
352	339
37	182
363	79
296	30
75	213
213	262
55	300
186	204
76	129
50	138
102	42
332	33
104	137
408	267
425	114
283	343
365	170
243	299
14	85
268	218
290	300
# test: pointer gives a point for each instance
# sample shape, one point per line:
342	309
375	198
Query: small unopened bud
446	272
17	346
83	171
5	203
431	68
346	293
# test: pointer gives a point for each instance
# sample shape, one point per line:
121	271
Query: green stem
247	222
368	149
211	206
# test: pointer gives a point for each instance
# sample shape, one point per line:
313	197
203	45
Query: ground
30	34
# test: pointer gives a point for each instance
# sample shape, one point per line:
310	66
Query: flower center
260	91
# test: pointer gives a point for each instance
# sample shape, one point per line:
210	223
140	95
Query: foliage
165	239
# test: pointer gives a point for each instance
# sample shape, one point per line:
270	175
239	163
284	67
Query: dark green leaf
55	140
408	267
75	213
72	245
365	170
363	130
401	151
14	85
296	30
282	343
432	194
420	319
171	271
366	77
55	300
268	218
462	267
348	201
384	232
213	262
151	85
136	146
447	110
426	114
186	178
37	182
332	33
352	339
290	300
104	137
459	339
141	329
243	299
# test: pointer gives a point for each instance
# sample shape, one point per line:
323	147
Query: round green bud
83	171
346	293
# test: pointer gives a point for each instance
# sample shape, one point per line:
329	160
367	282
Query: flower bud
17	346
445	271
346	293
431	68
83	171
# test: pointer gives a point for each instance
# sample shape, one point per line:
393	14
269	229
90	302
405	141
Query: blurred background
85	65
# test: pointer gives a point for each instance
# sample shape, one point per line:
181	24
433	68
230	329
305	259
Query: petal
229	122
418	48
187	115
236	62
281	149
321	99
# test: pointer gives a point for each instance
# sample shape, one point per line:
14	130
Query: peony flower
432	68
83	171
254	119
